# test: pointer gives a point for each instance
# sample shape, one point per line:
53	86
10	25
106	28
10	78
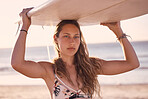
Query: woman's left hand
115	27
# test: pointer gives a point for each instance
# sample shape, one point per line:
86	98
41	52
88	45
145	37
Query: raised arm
120	66
18	62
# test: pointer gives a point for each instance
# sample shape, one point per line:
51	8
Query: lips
71	48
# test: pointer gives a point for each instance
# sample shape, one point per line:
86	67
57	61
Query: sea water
106	51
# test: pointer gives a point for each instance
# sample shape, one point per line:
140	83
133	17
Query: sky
137	27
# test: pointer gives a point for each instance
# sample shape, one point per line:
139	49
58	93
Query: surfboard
86	12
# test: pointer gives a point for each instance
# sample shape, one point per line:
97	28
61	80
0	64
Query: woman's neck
68	60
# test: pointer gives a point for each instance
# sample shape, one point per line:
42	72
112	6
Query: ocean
106	51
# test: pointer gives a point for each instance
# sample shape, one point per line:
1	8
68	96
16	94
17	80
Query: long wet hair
85	66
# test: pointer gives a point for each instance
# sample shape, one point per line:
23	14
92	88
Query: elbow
135	65
15	65
138	64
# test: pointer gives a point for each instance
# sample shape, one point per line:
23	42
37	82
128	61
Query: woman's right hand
25	19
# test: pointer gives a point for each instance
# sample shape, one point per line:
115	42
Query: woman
73	74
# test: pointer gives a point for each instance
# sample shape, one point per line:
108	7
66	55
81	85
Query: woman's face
68	40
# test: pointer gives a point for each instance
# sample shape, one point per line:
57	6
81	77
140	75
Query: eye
66	36
76	37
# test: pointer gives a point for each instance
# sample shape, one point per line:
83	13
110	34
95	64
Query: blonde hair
85	66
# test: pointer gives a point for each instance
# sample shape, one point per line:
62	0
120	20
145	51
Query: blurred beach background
134	80
101	43
107	51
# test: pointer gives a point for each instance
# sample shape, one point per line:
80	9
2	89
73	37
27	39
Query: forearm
18	54
129	53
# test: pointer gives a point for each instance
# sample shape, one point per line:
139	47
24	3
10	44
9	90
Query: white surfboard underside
87	12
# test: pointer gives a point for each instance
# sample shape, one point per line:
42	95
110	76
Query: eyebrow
69	34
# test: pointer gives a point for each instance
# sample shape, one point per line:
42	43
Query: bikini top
62	91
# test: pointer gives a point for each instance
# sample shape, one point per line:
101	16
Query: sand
41	92
125	92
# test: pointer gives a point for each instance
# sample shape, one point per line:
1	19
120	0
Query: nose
72	41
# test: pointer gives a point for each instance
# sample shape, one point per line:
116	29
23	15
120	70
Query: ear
55	39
